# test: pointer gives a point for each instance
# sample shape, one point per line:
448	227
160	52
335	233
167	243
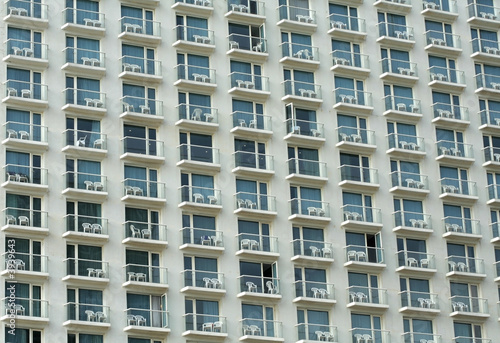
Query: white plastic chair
24	221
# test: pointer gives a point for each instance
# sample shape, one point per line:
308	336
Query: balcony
455	153
410	185
26	54
302	93
151	236
493	194
314	294
412	223
85	144
137	69
413	263
483	16
491	157
463	268
140	31
198	118
419	303
142	150
147	323
448	115
357	178
485	51
402	108
488	86
353	101
416	337
251	164
347	27
356	140
25	95
445	10
89	318
252	13
299	56
197	158
202	241
308	211
462	339
308	251
25	136
400	72
258	330
350	64
85	229
307	172
195	78
443	43
297	19
406	146
469	308
395	35
205	326
250	125
145	279
461	229
381	336
458	191
367	299
258	288
85	186
247	48
446	79
27	14
361	218
262	248
316	332
142	111
144	192
364	258
249	86
25	222
88	273
496	266
495	233
23	266
84	62
25	179
84	23
33	313
194	39
305	133
490	121
253	206
396	6
84	102
201	8
200	199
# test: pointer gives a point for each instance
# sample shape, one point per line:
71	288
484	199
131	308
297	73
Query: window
141	18
20	335
484	41
141	181
393	25
188	28
461	257
83	304
367	247
443	69
490	112
25	83
85	9
352	128
417	330
84	260
200	311
83	132
250	154
148	310
252	194
395	61
301	121
307	240
246	75
82	91
305	200
495	219
354	167
81	215
409	213
357	206
303	161
349	90
297	82
405	174
28	251
346	15
197	229
200	271
190	66
296	45
450	142
411	252
364	324
25	43
18	206
400	98
447	106
142	266
492	148
82	50
258	315
139	140
246	37
440	33
254	233
194	106
196	147
249	114
454	180
315	321
84	338
29	297
140	99
465	297
414	289
307	279
83	174
468	331
24	167
347	53
263	276
141	340
197	188
486	76
30	122
458	219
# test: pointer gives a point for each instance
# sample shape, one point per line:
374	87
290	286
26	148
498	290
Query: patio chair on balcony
136	233
11	91
208	282
217	284
141	321
411	262
146	233
81	141
101	317
206	240
462	267
246	330
359	338
87	227
132	276
11	133
137	191
367	338
351	255
96	228
250	204
271	288
23	221
207	326
251	287
361	256
362	297
98	186
217	241
258	47
323	293
19	264
26	93
10	219
245	244
197	197
217	327
315	252
311	211
422	302
319	335
212	199
196	115
91	317
327	252
131	320
255	330
89	185
452	266
424	263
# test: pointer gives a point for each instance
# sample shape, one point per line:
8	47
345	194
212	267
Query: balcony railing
463	339
203	279
309	207
456	186
495	229
252	120
140	65
200	195
248	43
402	104
491	154
25	90
260	327
198	113
404	68
483	11
446	75
144	273
300	51
25	174
350	59
144	188
443	110
144	230
441	5
85	139
249	81
89	58
316	332
253	7
359	253
455	149
30	9
19	261
143	146
195	73
249	241
409	180
25	131
142	105
298	14
253	160
25	307
24	48
83	17
362	213
415	220
395	31
352	96
194	34
487	81
418	337
465	264
205	323
419	299
199	236
147	318
314	289
84	97
368	295
302	89
355	135
306	167
461	225
87	268
489	117
305	128
486	46
444	39
415	259
346	22
254	201
469	304
358	174
205	3
86	181
198	153
496	265
140	26
25	217
304	247
86	224
259	284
